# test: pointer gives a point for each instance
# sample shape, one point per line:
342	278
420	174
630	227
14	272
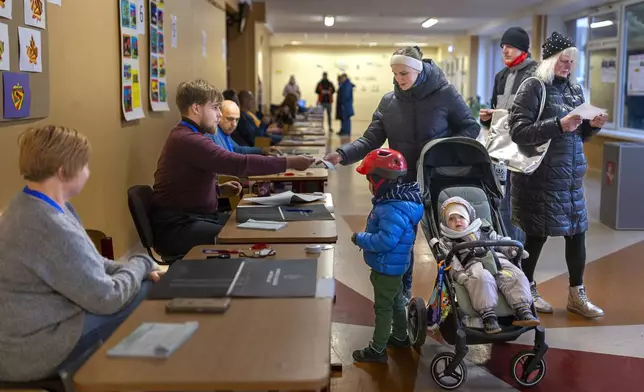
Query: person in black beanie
515	45
550	201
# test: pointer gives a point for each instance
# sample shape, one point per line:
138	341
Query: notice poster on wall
635	83
609	70
158	83
130	68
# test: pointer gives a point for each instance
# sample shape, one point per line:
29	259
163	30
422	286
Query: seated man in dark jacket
186	189
250	126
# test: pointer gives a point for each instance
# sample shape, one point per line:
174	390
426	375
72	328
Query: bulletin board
38	81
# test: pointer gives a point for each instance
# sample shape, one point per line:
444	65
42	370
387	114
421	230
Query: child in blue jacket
387	244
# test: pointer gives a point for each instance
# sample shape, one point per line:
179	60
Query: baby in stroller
459	224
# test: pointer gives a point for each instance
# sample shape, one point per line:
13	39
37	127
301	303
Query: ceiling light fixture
296	43
429	23
329	21
603	23
373	44
450	48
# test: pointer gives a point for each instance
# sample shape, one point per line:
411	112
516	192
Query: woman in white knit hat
423	106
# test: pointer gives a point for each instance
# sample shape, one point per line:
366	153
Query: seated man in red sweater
185	182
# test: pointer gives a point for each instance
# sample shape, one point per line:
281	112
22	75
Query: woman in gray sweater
58	295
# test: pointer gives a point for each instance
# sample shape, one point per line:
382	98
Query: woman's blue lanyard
187	124
43	197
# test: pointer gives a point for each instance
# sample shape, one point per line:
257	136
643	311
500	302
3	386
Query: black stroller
461	167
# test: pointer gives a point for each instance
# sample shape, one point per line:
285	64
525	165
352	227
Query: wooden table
258	344
308	181
301	143
302	232
315	152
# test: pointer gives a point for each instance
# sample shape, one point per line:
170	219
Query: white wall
368	69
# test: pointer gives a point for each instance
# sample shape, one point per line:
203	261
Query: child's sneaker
525	318
491	325
370	355
397	343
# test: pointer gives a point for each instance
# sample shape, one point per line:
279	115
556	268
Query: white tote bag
504	152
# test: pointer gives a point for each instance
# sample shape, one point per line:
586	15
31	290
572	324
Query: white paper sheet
30	50
175	35
156	340
262	225
7	10
587	111
5	53
56	2
323	164
286	198
141	27
36	14
325	288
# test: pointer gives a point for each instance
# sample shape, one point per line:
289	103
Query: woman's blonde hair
546	69
43	151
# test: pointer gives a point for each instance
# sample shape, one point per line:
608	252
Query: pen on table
218	251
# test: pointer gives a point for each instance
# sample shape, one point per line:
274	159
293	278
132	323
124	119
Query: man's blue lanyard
43	197
187	124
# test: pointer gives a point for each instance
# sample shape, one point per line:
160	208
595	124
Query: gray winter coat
409	119
550	201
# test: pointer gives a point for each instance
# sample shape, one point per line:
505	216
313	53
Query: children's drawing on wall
4	48
155	90
35	13
154	67
127	46
133	16
127	72
127	98
154	39
30	50
6	8
135	47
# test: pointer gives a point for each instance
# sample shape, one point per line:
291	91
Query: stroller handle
483	244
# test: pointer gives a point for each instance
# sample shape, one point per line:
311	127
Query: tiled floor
585	355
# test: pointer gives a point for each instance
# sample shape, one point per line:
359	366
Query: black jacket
520	72
409	119
550	201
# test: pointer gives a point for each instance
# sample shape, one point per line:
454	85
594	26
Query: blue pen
299	210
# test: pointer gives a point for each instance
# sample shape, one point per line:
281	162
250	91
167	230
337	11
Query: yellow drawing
1	49
18	96
36	9
2	3
136	89
32	51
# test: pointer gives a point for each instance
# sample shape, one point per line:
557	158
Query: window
633	88
603	26
578	30
602	76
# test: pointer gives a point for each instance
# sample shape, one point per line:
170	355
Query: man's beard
212	129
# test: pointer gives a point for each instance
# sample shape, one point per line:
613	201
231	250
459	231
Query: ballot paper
286	198
587	111
154	340
323	164
262	225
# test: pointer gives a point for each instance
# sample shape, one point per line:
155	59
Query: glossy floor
585	355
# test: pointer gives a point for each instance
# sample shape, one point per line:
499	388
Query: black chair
61	382
139	199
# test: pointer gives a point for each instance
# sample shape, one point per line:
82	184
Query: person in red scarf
519	65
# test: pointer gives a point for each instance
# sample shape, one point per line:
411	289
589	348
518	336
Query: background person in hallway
249	126
422	107
550	202
185	182
227	125
292	88
325	90
58	296
518	65
345	103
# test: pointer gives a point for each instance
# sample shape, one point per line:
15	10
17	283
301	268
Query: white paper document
262	225
154	340
587	111
286	198
325	288
323	164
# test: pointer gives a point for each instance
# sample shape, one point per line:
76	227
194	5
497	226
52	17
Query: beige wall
263	61
85	94
368	69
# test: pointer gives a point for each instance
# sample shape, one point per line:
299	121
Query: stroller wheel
520	363
448	381
417	322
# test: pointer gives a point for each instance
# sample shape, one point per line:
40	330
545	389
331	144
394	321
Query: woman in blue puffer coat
422	107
